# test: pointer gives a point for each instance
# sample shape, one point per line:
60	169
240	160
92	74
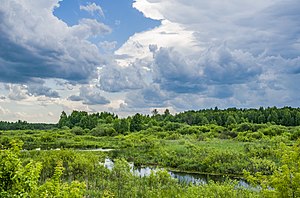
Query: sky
133	56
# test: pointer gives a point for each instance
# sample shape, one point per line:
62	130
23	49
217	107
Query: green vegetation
21	125
259	145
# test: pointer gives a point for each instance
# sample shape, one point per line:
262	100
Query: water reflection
182	177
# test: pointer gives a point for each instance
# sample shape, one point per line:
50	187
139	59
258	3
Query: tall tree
63	121
136	122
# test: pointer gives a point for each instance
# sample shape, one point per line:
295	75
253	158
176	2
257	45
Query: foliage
21	125
260	144
285	181
18	180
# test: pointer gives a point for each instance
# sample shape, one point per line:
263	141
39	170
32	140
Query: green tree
167	112
136	123
121	125
88	122
297	119
76	116
261	119
273	117
230	120
63	121
204	120
287	119
154	112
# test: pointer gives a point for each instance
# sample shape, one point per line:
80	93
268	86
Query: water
58	149
182	177
98	149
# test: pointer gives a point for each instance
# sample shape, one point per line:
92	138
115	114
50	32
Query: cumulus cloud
203	54
223	66
16	92
3	111
114	78
93	8
175	73
218	65
220	91
75	98
36	44
20	92
41	90
89	27
218	53
253	26
107	46
90	96
167	35
150	96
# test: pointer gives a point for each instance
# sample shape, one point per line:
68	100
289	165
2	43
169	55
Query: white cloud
149	9
204	54
50	114
107	47
93	9
114	78
21	92
17	92
167	35
89	27
90	96
249	25
36	44
217	53
35	89
224	66
4	111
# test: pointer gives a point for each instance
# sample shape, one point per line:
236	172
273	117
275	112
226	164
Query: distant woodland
286	116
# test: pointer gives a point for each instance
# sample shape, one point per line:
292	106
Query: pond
182	177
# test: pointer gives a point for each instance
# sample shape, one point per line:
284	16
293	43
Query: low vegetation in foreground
259	145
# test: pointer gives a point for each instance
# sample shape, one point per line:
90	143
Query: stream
182	177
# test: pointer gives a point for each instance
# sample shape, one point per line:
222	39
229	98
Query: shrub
77	130
103	131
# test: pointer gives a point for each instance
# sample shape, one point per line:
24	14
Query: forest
239	152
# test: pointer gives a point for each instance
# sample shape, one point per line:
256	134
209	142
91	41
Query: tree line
286	116
22	125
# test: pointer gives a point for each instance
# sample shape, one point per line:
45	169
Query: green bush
103	131
18	180
77	130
